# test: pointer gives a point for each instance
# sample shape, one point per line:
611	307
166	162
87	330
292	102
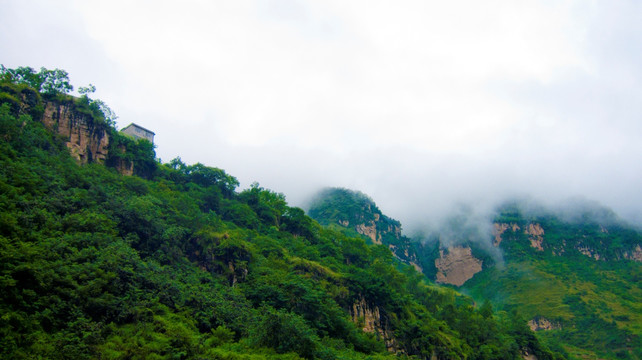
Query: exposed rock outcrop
500	228
535	235
356	211
585	246
543	324
375	229
457	265
585	250
382	227
635	254
125	167
370	231
534	231
87	141
370	320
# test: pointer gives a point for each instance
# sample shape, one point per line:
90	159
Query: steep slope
456	265
79	122
355	213
574	274
179	264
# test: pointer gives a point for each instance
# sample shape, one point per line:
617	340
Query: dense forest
176	262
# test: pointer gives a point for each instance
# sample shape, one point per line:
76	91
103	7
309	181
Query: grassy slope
597	303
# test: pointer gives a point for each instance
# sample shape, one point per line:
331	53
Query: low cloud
423	106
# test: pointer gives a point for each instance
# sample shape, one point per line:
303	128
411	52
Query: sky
423	105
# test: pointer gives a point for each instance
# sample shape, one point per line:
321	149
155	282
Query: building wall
138	133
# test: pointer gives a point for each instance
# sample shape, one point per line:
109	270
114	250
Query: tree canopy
179	264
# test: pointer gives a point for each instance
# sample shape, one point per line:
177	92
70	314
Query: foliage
334	205
179	264
580	281
97	107
50	82
353	213
124	151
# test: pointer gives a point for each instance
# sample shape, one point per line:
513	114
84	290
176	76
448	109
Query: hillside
573	273
576	275
356	214
175	262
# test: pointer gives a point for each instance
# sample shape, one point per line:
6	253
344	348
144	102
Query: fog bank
421	105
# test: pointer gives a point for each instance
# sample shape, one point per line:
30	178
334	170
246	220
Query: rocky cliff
78	122
534	231
369	319
87	141
456	265
594	243
357	213
386	232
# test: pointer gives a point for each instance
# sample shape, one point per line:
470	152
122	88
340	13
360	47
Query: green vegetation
346	210
333	205
581	282
177	263
594	304
47	82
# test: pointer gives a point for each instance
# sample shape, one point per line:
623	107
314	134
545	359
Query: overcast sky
420	104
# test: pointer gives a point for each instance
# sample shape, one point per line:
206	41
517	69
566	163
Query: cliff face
356	211
457	266
534	231
378	227
592	244
370	320
535	236
500	228
383	230
86	141
369	230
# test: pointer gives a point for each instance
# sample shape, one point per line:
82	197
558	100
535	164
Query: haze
420	104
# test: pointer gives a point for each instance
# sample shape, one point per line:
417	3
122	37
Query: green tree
285	332
96	107
46	81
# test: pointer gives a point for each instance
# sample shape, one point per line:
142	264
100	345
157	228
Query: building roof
138	126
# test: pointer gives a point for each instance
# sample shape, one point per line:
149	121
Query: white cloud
418	103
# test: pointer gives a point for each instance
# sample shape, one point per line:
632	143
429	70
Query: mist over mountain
571	270
106	252
422	106
422	190
494	150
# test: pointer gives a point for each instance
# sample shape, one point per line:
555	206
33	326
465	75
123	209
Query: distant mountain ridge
575	272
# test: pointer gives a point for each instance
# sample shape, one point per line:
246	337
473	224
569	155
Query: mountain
573	272
173	261
355	214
